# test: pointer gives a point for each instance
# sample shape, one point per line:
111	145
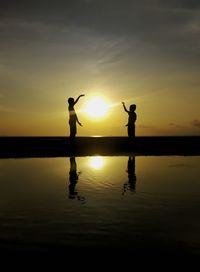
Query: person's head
132	107
71	100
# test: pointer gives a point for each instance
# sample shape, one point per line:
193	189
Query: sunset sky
137	51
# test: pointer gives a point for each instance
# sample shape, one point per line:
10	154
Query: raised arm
125	107
78	98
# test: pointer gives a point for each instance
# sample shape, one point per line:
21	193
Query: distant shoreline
60	146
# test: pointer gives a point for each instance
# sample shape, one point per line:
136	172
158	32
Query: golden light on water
96	162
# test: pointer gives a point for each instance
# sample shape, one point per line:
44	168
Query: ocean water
142	203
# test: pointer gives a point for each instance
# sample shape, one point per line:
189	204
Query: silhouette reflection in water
73	179
131	184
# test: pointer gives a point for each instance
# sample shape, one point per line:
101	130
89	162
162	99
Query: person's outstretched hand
82	95
123	103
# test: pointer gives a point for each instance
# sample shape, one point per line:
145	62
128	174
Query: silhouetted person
73	178
131	175
73	119
132	116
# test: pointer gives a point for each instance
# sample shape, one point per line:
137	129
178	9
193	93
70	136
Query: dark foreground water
147	204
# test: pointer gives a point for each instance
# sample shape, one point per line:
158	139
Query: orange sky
135	52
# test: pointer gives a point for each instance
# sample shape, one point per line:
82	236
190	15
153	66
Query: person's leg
131	131
72	131
128	131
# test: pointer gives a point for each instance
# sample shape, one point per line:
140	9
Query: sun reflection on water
96	162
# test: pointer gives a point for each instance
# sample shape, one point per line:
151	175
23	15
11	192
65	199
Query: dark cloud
184	165
196	123
145	126
174	125
170	26
116	16
156	28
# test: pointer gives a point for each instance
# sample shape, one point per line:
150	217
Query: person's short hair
132	107
70	100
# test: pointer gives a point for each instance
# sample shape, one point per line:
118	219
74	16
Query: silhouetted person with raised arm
73	119
132	116
131	175
73	178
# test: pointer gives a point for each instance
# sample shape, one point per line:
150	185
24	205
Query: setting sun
96	108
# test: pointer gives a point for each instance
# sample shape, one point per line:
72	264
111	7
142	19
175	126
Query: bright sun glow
96	108
96	162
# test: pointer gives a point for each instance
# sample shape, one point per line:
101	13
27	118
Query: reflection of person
73	179
131	175
131	119
73	119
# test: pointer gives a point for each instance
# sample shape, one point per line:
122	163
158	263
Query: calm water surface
139	203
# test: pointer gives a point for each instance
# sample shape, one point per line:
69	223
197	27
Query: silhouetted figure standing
73	119
73	178
131	119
